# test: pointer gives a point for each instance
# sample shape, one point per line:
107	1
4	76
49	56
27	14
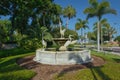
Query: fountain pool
62	57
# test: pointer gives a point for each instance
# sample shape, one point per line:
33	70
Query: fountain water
63	56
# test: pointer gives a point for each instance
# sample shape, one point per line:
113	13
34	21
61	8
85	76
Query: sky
80	5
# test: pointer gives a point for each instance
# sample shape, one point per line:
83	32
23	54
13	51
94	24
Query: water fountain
63	56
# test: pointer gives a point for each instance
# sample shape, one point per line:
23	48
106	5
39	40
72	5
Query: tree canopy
69	12
97	9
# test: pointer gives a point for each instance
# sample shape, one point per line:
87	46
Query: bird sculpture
74	41
62	31
68	42
44	43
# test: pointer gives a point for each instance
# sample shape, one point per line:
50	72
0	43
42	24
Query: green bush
118	39
32	39
32	43
5	28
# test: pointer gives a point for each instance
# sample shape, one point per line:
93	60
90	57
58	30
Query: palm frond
103	20
89	10
109	10
44	29
98	9
90	16
92	1
69	12
48	36
77	26
104	4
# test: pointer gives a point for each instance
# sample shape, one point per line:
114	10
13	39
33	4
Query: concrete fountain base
62	57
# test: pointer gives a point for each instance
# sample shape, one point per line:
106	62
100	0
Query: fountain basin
62	57
60	41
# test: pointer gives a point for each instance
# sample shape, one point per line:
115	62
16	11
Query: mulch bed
46	72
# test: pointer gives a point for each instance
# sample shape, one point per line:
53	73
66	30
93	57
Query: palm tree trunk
44	20
60	28
101	36
1	44
81	35
81	32
98	36
44	24
110	37
67	23
38	22
13	26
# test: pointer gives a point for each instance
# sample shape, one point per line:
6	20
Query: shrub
32	43
118	39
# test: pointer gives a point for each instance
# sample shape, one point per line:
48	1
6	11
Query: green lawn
109	71
9	70
13	52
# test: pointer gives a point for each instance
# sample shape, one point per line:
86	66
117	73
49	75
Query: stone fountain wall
63	57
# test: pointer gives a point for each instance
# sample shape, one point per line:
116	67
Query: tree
5	28
97	9
22	12
118	39
33	41
28	16
103	24
91	36
81	24
57	9
109	31
19	12
69	12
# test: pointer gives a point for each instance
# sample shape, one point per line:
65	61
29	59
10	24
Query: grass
13	52
109	71
9	70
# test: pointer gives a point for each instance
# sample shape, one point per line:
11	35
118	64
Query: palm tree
97	9
69	12
110	31
57	10
81	24
103	23
91	36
